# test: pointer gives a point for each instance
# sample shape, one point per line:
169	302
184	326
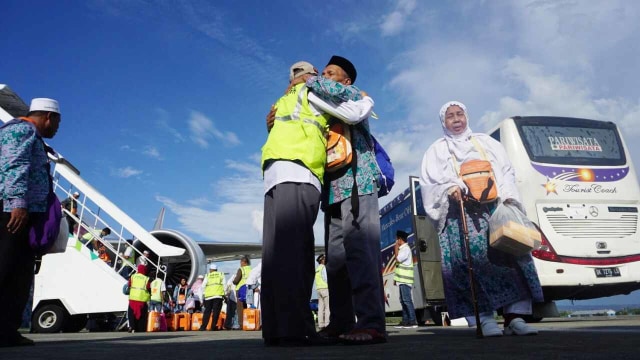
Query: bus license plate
607	272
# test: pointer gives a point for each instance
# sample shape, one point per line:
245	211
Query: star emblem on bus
550	186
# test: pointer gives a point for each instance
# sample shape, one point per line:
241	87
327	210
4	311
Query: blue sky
164	101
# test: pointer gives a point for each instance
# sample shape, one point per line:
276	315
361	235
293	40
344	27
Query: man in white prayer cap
25	184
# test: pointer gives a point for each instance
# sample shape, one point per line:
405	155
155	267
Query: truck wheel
75	323
48	319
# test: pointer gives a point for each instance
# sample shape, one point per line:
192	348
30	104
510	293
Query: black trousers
139	325
16	276
288	270
211	306
231	312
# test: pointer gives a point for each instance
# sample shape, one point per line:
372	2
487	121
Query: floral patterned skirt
501	278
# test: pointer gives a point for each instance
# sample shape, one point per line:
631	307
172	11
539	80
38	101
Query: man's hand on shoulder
363	93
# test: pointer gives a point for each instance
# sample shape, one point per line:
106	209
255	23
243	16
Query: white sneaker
490	328
518	326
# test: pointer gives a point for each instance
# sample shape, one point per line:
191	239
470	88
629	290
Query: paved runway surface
558	339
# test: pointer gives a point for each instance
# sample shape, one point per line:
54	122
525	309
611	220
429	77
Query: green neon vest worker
156	290
214	287
320	283
298	133
404	273
245	274
138	290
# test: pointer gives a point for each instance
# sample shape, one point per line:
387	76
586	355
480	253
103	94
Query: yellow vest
298	133
138	290
320	283
404	273
214	287
156	290
245	274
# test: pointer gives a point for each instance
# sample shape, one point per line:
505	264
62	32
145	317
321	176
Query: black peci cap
346	65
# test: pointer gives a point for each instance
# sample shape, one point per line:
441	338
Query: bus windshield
576	142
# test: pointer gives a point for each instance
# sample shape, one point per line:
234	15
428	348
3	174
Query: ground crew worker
213	285
240	282
138	296
322	288
158	291
404	279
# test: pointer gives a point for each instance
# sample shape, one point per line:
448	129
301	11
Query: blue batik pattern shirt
367	170
24	170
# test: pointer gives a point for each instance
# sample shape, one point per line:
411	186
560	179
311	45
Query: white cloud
202	130
125	172
395	22
550	94
152	152
163	123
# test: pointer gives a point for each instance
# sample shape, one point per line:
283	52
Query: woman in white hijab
502	280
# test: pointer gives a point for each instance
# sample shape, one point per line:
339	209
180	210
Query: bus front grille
625	225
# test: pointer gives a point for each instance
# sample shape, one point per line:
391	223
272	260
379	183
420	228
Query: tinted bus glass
571	141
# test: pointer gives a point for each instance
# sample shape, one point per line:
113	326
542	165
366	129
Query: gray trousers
288	271
354	266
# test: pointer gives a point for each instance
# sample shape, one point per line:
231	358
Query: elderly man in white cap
293	161
213	286
25	184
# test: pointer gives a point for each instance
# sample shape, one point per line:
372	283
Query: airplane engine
188	266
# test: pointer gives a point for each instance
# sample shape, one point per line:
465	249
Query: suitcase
170	324
163	322
182	321
153	321
221	318
251	319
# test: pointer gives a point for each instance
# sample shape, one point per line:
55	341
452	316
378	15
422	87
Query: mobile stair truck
76	286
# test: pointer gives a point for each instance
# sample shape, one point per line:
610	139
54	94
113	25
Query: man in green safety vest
404	279
139	294
240	281
322	288
158	292
213	286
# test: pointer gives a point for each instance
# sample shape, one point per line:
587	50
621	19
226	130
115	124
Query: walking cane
472	280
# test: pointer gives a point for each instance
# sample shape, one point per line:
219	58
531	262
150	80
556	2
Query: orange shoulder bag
478	176
339	150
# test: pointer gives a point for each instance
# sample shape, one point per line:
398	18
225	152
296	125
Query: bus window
582	143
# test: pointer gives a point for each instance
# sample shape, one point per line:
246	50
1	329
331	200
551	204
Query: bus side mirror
423	246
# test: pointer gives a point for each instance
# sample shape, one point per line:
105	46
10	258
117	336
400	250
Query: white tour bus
579	186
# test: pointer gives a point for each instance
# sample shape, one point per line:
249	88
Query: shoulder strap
476	144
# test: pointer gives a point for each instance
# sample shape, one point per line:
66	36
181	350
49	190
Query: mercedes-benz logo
593	211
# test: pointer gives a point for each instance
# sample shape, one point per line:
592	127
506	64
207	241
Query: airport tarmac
593	338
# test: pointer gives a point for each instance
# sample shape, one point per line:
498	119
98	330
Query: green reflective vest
214	287
298	133
245	274
156	290
404	273
138	290
320	283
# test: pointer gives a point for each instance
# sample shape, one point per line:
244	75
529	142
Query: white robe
438	174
